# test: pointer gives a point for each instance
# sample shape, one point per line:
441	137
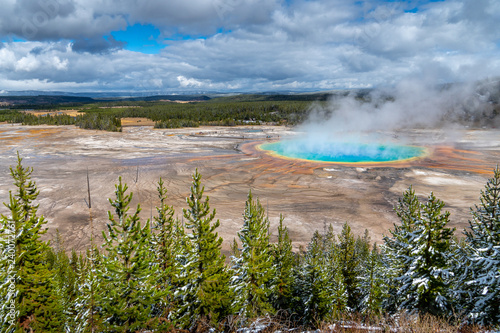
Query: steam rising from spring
411	104
377	126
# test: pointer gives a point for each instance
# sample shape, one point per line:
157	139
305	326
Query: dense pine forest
162	275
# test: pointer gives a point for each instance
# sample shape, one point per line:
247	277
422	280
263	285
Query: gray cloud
52	20
97	45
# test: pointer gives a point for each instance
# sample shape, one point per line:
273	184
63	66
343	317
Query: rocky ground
309	195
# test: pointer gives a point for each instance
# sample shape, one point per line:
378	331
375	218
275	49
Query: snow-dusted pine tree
204	294
65	279
166	246
128	295
284	261
483	256
339	290
334	267
253	268
27	283
372	284
426	253
88	314
396	249
350	265
314	289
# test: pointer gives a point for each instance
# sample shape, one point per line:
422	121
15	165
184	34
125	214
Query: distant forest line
222	111
176	111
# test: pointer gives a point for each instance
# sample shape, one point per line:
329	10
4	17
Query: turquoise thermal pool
343	152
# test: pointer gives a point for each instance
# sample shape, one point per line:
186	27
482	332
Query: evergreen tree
128	295
166	246
65	279
339	290
482	256
235	250
396	249
372	284
363	247
284	262
461	292
205	292
24	263
334	268
432	259
349	260
426	285
314	290
253	268
89	270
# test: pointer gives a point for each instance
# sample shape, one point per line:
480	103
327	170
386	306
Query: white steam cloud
412	104
359	124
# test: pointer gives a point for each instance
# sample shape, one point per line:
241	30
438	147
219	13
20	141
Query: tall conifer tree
38	308
166	247
89	270
204	296
128	295
425	250
314	292
372	284
483	256
253	268
397	248
65	278
349	260
284	261
334	268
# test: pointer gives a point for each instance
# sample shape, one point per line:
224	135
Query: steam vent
343	152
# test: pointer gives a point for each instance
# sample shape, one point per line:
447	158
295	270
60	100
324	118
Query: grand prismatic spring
343	152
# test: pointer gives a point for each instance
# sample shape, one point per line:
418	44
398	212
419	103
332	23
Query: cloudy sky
243	45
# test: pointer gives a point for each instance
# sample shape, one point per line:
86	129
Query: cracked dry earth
310	195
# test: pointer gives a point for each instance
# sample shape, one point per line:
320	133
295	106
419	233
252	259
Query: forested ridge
162	275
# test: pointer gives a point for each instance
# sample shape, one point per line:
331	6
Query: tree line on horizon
223	111
173	115
94	121
162	275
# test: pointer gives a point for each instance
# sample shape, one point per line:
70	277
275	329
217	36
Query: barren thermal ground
310	195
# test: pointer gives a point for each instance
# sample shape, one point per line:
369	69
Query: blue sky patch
140	38
14	40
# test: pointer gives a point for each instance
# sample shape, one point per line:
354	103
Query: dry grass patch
38	113
137	122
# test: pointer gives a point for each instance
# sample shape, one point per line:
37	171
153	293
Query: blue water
343	152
